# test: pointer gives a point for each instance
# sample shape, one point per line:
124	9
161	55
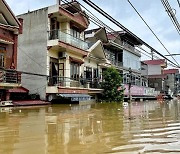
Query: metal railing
130	47
71	82
67	38
10	76
118	64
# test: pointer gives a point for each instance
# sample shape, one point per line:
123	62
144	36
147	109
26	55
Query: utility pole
129	87
152	54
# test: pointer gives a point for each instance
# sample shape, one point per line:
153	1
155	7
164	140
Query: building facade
53	50
121	52
10	79
154	71
177	78
171	81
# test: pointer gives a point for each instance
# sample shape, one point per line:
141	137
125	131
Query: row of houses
51	52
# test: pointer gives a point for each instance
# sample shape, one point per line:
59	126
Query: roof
97	50
155	62
76	60
8	15
112	36
98	33
129	37
171	71
160	76
74	8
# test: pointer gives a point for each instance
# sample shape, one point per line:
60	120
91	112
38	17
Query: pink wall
135	90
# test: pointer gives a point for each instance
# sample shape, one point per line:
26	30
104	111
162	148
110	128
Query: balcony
67	38
78	83
130	47
118	64
10	77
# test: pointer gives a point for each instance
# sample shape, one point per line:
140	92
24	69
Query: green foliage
113	91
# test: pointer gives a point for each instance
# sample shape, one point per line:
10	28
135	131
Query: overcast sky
151	10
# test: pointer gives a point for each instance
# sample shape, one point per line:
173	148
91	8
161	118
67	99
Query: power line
98	9
152	31
93	17
109	28
178	2
101	24
171	14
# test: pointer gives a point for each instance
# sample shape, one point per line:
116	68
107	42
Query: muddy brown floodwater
148	127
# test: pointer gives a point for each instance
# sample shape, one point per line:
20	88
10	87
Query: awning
76	60
76	97
18	90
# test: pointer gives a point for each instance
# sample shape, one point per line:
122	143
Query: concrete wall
144	69
170	83
32	51
154	69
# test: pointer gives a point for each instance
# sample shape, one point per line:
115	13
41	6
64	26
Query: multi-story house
53	50
121	52
154	73
177	78
171	82
9	29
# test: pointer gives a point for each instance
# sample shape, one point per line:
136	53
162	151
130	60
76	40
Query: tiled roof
160	76
171	71
155	62
112	36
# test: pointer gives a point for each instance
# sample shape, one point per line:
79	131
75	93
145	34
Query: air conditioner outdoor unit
62	55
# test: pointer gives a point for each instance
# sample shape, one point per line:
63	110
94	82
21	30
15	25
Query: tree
112	85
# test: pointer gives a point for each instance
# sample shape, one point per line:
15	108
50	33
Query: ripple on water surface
143	127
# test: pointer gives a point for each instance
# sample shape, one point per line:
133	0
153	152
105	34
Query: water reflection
154	127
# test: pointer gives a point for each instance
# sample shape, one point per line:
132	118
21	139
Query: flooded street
153	127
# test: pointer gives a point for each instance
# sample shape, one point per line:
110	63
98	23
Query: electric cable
152	31
104	25
98	9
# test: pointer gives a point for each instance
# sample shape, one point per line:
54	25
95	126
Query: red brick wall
11	49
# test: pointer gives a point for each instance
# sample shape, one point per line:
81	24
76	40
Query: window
95	73
74	70
2	56
54	28
88	73
1	59
75	32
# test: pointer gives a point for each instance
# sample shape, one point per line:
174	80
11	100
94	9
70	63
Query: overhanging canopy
76	97
97	50
76	60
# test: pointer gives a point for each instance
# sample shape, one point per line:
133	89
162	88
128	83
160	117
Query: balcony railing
10	76
69	82
118	64
67	38
130	47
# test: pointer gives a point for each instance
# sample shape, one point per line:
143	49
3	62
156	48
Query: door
54	71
